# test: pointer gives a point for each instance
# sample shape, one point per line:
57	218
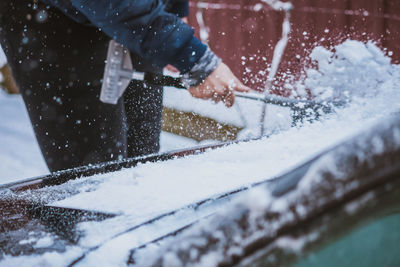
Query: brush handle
295	104
163	80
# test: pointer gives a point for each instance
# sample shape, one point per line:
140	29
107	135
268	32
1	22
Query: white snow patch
295	244
27	241
3	59
354	69
171	260
54	259
354	206
44	242
257	200
210	259
20	156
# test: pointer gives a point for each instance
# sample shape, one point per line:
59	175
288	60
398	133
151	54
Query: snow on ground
20	156
143	192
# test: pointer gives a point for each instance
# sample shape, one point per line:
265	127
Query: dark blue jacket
150	28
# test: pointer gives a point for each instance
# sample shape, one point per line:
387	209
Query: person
56	50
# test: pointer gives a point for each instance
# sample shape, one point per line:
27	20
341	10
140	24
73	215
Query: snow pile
349	69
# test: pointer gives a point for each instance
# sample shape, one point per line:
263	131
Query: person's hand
220	85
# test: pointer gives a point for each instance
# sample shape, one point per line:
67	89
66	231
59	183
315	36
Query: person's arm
147	29
209	78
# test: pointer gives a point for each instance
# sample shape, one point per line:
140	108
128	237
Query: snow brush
119	73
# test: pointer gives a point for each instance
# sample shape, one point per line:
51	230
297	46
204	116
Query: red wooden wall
244	33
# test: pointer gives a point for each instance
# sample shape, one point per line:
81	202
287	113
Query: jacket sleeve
178	7
147	29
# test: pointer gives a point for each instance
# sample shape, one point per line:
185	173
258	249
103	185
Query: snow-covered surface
143	192
149	187
20	155
46	259
332	176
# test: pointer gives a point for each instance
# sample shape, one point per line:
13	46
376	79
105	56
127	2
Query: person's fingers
229	99
193	91
240	87
226	90
220	86
236	85
216	97
196	92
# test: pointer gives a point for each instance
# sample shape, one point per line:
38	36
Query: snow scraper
119	72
